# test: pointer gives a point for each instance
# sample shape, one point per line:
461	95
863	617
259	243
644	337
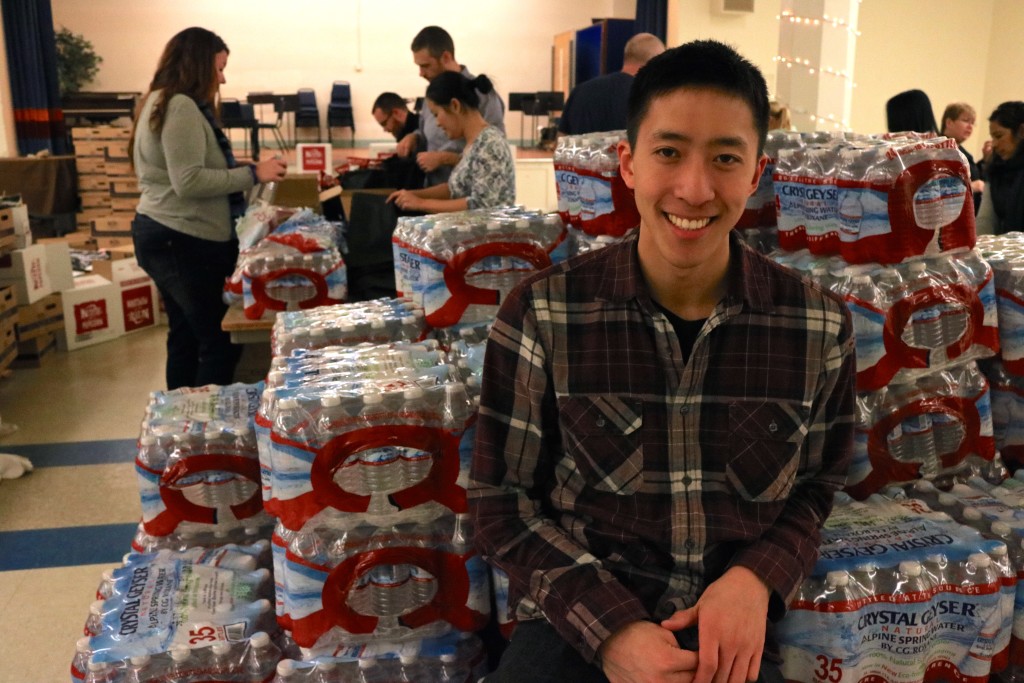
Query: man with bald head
600	103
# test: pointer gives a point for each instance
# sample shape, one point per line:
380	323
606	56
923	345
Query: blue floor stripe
66	547
76	453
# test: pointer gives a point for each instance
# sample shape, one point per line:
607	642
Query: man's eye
666	152
728	159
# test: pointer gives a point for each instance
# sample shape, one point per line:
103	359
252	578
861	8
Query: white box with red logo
313	157
136	292
26	270
92	313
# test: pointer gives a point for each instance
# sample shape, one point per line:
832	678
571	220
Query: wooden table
244	330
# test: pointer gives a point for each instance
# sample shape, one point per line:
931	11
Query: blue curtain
652	17
32	66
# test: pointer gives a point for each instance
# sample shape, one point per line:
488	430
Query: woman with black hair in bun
1002	204
485	176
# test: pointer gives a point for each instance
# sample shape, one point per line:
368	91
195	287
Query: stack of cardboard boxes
108	188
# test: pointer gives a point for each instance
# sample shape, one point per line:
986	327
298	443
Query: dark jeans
190	274
538	654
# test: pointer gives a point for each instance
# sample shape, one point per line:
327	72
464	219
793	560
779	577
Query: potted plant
77	62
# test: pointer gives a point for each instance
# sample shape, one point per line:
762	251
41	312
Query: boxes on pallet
119	169
124	206
25	270
34	352
90	166
116	151
92	313
137	292
8	306
100	133
114	242
8	345
79	239
41	318
112	226
93	182
124	187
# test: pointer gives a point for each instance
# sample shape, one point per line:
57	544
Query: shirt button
773	427
600	422
684	410
690	544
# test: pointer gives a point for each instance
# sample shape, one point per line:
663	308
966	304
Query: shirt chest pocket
602	436
764	448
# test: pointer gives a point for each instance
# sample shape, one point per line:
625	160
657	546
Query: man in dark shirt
600	103
391	112
663	422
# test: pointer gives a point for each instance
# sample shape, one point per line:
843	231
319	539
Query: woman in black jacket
1002	205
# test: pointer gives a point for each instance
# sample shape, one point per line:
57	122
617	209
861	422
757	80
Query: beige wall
282	46
950	49
8	140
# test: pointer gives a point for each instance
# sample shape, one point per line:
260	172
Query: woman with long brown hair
192	193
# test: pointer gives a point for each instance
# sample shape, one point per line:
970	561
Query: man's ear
758	170
626	162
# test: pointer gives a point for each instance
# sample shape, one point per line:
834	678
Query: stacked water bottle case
887	223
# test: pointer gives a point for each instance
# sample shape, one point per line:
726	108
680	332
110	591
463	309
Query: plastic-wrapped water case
927	428
378	321
297	266
899	593
912	318
367	583
1005	254
880	201
460	266
592	196
197	463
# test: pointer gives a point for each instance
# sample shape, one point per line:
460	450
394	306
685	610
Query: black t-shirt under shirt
686	331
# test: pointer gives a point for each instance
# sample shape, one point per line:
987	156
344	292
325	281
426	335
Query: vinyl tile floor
78	417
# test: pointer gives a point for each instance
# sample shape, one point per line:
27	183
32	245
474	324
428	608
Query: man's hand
406	145
429	161
730	618
643	652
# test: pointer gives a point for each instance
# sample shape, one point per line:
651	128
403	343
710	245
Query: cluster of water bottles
364	451
592	197
460	266
298	265
874	199
174	616
902	592
198	468
376	321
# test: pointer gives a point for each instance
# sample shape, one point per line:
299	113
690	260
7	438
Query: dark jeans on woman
190	274
538	654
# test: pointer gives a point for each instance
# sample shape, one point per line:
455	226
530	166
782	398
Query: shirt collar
750	281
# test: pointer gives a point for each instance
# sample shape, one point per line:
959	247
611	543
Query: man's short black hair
435	40
699	64
387	101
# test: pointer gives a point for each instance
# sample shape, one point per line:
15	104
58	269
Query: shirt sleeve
784	555
491	173
184	142
518	443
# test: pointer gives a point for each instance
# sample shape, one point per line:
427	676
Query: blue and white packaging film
460	266
378	321
900	594
198	466
298	265
161	607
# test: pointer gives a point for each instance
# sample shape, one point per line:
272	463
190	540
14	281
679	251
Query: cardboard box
15	216
116	151
95	199
114	242
43	317
34	352
26	270
124	205
116	253
100	133
301	190
119	169
93	182
91	148
136	290
80	239
125	187
8	345
112	226
90	165
8	306
58	265
84	218
92	313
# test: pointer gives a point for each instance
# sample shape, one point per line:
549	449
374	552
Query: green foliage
77	62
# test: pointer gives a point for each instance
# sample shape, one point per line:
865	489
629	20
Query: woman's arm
435	199
184	143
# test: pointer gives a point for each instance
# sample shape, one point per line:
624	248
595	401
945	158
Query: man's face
430	67
391	121
693	167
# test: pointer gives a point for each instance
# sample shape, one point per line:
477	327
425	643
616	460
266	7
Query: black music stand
522	102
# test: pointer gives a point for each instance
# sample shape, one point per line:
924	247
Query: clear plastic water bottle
80	662
182	664
260	655
94	622
370	671
453	669
411	669
100	672
140	669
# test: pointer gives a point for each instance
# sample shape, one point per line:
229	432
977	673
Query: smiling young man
663	422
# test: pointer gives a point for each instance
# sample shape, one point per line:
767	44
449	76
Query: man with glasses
391	112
